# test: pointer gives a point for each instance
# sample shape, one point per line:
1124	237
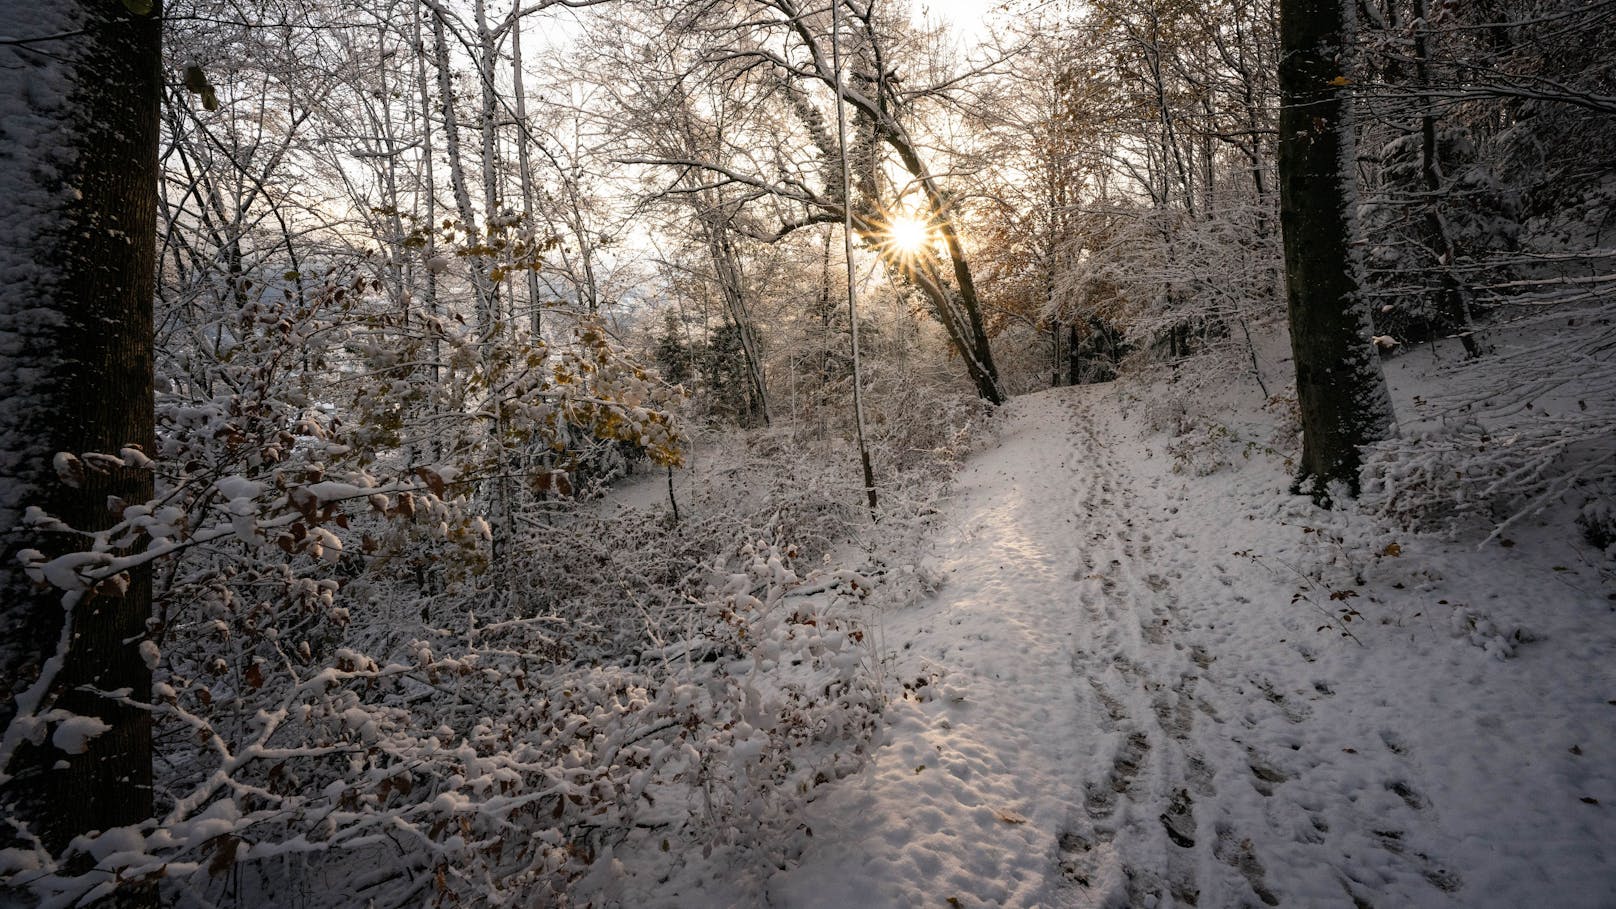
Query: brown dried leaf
224	855
432	480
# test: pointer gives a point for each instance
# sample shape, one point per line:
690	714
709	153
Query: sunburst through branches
908	236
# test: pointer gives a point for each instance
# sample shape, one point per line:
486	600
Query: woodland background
433	278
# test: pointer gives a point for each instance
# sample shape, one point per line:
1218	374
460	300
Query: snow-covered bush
1597	517
1024	356
1464	478
363	673
355	668
1491	455
1201	440
468	769
919	430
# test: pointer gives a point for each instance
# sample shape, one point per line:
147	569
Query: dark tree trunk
1339	386
76	287
1074	355
1455	305
974	347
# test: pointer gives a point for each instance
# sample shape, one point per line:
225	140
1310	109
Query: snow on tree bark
78	166
1339	385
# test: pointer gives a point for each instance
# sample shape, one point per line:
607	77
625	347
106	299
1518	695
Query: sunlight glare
908	235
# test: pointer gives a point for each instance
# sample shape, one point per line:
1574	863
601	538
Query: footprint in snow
1438	877
1393	742
1293	712
1101	798
1408	794
1198	774
1264	775
1241	855
1179	820
1315	834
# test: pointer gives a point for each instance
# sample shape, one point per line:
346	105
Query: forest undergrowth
361	695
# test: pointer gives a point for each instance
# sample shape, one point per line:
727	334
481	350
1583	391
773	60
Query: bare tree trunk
1455	296
731	284
487	304
875	97
957	307
1252	146
484	288
431	450
76	322
524	165
1339	385
396	267
487	64
1169	131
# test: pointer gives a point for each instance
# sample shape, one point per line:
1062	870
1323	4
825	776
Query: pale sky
955	10
964	16
959	12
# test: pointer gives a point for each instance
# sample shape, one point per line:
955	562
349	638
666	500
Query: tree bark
486	293
524	169
1339	386
732	285
79	150
1454	299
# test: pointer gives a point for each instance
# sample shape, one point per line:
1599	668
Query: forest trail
1107	705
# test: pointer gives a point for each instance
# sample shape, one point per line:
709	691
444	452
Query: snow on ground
1130	691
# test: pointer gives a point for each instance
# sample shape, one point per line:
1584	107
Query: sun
908	235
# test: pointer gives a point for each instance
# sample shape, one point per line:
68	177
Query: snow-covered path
972	789
1113	700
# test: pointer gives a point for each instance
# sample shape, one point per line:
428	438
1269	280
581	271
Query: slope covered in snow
1141	687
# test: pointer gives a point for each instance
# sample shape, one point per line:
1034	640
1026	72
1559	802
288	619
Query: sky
958	11
963	15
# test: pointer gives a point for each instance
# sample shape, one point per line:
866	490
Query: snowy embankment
1137	687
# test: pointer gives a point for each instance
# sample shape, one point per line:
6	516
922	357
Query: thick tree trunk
1339	385
79	148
